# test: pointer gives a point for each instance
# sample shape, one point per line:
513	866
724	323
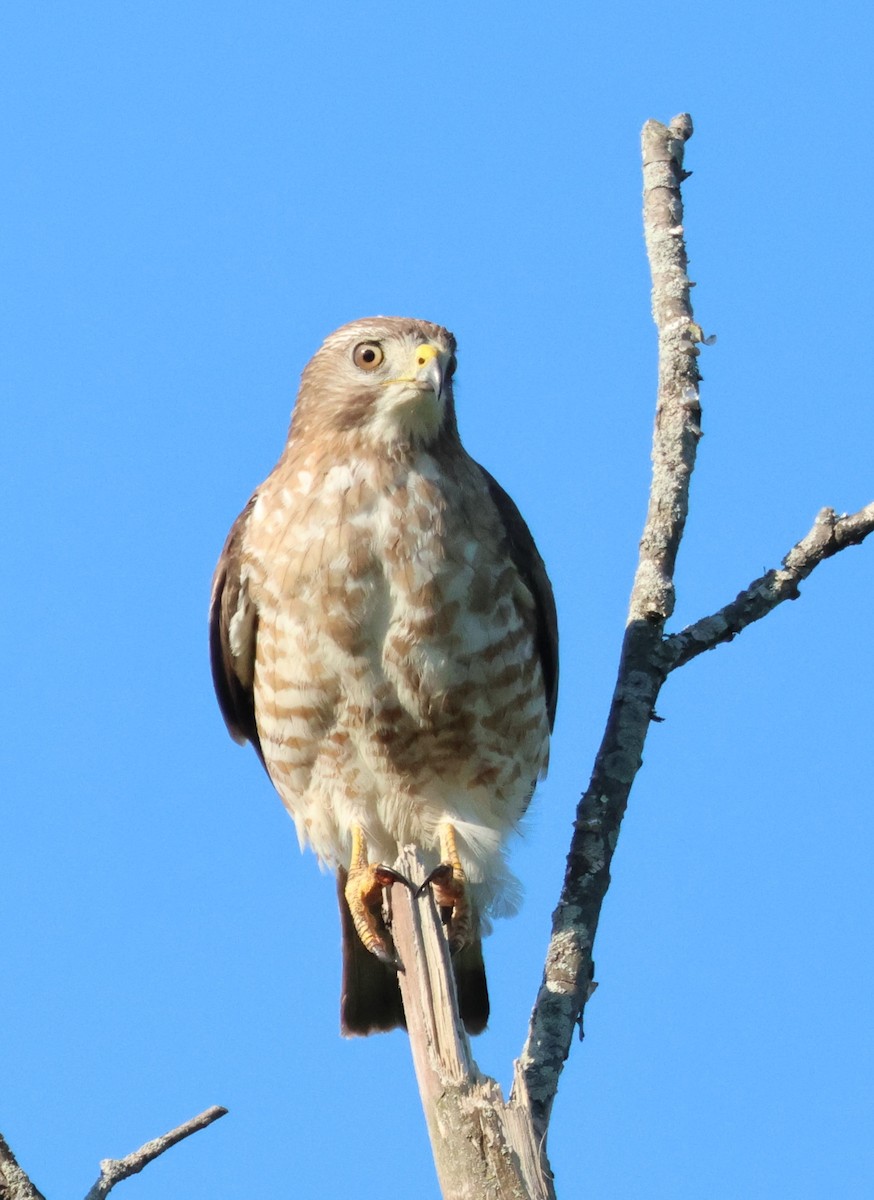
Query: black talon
389	876
441	874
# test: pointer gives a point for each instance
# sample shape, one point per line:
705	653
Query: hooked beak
428	368
416	405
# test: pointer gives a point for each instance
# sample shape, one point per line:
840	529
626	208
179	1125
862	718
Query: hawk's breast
396	676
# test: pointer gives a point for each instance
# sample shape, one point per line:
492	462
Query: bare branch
830	533
14	1184
568	975
647	655
114	1170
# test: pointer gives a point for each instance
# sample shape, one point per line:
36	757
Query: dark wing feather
529	564
233	673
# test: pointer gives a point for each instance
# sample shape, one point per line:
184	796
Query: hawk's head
389	379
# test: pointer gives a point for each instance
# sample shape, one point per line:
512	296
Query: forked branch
648	655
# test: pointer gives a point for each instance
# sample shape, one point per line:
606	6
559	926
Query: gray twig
114	1170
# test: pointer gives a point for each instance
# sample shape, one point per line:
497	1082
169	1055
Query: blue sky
194	196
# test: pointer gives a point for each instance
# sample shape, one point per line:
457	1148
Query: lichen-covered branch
830	533
114	1170
568	974
678	410
14	1183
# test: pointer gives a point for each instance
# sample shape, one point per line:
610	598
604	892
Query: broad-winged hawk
383	632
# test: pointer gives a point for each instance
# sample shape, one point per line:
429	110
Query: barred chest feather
397	682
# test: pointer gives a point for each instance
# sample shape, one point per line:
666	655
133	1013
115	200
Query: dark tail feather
370	1001
470	983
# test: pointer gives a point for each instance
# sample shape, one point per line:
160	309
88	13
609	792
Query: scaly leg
449	884
363	892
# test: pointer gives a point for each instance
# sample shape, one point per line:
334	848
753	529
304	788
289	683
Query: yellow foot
363	891
449	885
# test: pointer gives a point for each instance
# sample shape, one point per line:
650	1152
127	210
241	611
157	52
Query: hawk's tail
370	1001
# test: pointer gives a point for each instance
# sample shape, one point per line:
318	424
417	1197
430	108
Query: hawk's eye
368	355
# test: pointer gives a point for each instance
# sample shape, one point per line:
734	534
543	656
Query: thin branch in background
114	1170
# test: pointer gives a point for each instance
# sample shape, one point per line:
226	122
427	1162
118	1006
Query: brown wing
529	564
233	659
